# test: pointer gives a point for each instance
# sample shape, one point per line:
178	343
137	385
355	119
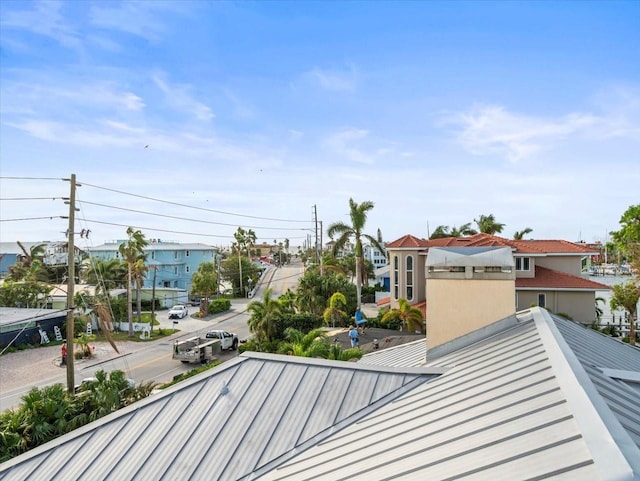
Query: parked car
179	311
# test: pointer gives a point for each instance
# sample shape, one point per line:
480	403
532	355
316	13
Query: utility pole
71	261
321	266
153	297
315	218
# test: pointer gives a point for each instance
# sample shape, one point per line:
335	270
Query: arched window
396	276
409	270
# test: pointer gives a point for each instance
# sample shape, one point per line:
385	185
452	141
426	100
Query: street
152	361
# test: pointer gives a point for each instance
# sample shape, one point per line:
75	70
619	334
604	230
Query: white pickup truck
227	339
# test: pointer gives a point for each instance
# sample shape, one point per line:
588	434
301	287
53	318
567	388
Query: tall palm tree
334	312
487	224
264	315
519	234
409	316
346	232
106	274
138	272
131	250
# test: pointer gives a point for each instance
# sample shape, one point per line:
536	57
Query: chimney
468	288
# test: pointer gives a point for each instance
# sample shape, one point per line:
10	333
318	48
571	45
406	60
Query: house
548	272
526	396
11	254
22	325
374	255
172	263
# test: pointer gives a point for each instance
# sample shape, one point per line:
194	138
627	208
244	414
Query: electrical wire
184	218
194	207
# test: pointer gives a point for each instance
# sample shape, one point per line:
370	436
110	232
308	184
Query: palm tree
131	250
106	274
346	232
333	312
337	353
138	272
410	317
264	315
312	344
487	224
599	310
519	234
443	231
625	296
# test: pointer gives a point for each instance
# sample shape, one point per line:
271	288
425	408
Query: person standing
354	336
63	352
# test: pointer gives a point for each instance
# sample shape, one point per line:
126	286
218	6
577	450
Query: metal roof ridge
330	363
614	453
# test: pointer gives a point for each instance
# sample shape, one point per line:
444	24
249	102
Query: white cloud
45	19
493	129
341	143
334	80
178	97
135	18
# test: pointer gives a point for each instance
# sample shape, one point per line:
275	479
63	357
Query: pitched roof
532	247
274	407
537	397
554	280
525	403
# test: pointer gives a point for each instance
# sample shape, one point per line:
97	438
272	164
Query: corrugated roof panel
410	354
500	402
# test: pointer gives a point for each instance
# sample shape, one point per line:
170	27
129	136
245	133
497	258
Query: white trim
603	434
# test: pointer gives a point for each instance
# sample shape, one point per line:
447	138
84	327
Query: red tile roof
550	279
408	241
488	240
384	301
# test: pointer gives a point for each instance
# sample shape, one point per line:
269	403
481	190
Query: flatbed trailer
196	350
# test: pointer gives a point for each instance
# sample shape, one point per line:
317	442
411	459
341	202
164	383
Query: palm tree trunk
358	284
129	302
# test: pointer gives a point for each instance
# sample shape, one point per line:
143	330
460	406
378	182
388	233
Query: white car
179	311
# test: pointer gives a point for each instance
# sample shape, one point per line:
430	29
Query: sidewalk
33	366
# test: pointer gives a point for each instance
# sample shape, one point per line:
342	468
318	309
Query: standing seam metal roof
275	406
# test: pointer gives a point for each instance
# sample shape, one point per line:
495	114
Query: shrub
219	305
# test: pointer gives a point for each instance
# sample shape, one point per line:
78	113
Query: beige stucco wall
457	307
579	305
418	276
569	264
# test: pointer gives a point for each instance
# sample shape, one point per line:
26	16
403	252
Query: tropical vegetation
49	412
410	318
345	233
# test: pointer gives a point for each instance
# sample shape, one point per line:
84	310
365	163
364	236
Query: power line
30	198
183	218
165	230
193	207
32	178
34	218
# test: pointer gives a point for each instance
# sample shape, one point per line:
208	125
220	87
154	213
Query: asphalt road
152	361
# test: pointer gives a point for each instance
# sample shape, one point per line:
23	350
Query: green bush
219	305
303	322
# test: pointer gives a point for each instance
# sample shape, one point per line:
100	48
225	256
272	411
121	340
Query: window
542	300
175	271
153	254
522	263
395	277
186	253
409	264
187	269
175	254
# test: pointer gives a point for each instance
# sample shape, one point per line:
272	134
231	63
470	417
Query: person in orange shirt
63	351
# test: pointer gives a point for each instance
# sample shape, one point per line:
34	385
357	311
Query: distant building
172	263
548	272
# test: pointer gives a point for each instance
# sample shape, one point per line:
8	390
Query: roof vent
224	389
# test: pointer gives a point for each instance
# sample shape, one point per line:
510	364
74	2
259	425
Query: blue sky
254	112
